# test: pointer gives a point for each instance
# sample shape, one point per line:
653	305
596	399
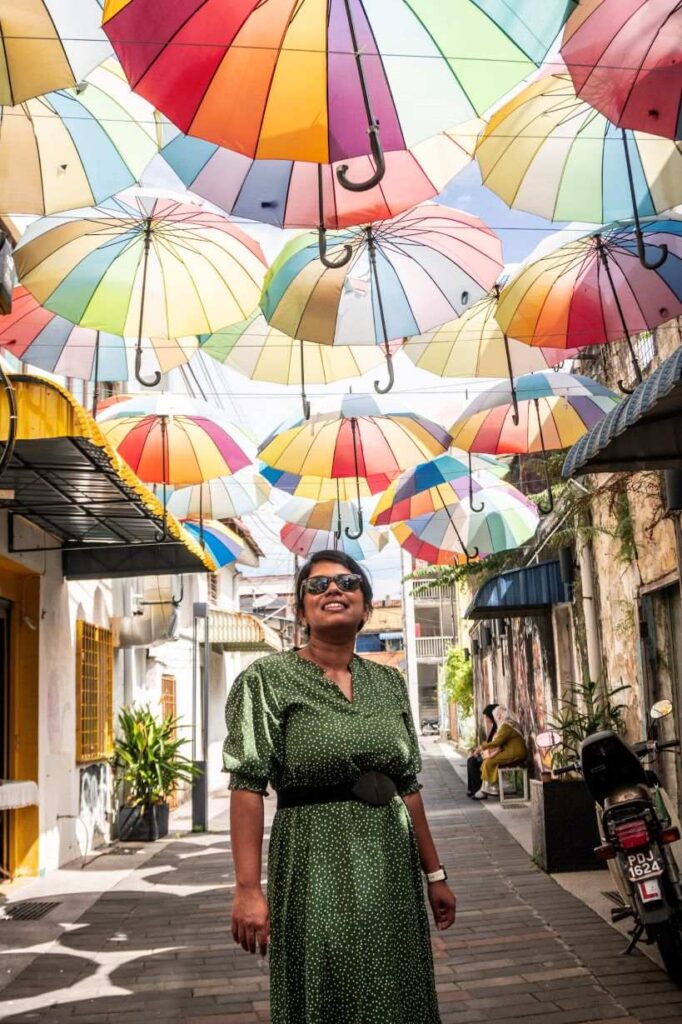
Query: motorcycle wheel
669	942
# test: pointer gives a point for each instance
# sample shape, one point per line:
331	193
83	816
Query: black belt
373	788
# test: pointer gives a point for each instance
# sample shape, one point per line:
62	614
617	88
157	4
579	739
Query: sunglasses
345	581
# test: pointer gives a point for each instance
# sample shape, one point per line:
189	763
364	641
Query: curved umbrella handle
153	381
641	248
545	510
342	261
624	390
379	160
356	534
383	390
304	397
471	556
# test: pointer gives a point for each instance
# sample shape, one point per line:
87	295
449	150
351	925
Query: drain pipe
586	562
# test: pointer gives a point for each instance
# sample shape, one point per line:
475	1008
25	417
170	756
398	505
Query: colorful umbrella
315	80
317	488
357	438
223	544
594	290
261	352
221	498
139	266
75	147
404	276
48	44
553	411
549	153
305	542
624	58
34	335
320	515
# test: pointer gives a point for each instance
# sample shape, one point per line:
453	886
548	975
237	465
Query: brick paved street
157	945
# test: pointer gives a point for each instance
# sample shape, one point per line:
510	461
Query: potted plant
149	766
565	830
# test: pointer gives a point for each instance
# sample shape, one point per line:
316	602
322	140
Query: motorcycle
430	727
638	827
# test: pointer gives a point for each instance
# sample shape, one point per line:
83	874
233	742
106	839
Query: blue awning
519	592
643	432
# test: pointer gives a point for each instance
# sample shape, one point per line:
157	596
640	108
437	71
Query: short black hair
341	558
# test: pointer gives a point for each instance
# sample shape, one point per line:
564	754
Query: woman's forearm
428	854
246	833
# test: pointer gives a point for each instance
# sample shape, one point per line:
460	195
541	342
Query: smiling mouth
334	606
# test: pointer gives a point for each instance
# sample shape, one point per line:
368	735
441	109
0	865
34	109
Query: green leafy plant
587	709
147	758
458	681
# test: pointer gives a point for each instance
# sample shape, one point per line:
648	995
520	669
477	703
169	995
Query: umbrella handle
151	382
641	248
379	160
474	508
304	397
383	390
624	390
342	261
356	534
471	556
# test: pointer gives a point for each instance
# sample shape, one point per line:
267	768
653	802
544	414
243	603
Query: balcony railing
434	646
425	593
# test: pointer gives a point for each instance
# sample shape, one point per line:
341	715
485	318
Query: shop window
94	692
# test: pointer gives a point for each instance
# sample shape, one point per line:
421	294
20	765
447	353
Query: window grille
213	588
168	698
94	692
645	348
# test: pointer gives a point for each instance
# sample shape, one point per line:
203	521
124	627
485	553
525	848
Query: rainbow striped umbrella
304	542
316	488
320	515
221	498
403	277
140	266
222	543
48	44
358	438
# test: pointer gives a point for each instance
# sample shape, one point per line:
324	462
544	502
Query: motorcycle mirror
547	740
661	709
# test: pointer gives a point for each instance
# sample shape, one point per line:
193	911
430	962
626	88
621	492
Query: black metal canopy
519	592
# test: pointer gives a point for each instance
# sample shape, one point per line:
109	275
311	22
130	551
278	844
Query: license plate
643	865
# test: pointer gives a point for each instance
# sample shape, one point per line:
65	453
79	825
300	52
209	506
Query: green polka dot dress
350	934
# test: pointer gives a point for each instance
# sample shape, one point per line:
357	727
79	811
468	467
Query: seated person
508	747
475	757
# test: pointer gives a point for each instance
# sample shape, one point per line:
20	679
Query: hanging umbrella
223	544
75	147
140	266
553	410
624	59
357	437
48	44
404	277
330	516
327	80
221	498
317	488
551	154
594	290
261	352
304	542
34	335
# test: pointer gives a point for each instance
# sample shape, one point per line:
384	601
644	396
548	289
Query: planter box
565	830
136	827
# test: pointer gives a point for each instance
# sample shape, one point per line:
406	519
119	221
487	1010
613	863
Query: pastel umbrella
317	488
48	44
33	334
140	266
261	352
224	544
356	438
549	153
326	80
404	276
624	58
594	289
304	542
224	497
320	515
553	410
75	147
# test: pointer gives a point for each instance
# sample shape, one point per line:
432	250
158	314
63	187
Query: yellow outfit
513	751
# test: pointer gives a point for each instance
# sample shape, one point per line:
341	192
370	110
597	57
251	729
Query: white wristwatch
437	876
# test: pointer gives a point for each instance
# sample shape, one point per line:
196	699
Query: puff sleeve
253	747
407	782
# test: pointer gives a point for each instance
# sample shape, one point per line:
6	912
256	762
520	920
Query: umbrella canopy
139	266
304	542
75	147
312	77
33	334
549	153
332	516
624	58
48	44
222	543
316	488
221	498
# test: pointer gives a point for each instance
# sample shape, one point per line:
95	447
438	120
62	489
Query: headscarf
489	712
503	716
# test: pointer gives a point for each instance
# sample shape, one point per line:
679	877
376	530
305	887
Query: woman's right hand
251	919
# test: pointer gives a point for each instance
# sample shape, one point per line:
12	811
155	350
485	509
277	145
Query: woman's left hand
443	904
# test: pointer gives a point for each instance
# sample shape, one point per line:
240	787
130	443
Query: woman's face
334	610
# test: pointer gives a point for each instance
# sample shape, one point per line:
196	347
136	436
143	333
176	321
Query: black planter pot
142	825
565	830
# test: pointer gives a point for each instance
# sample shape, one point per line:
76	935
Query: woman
475	758
506	748
333	734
